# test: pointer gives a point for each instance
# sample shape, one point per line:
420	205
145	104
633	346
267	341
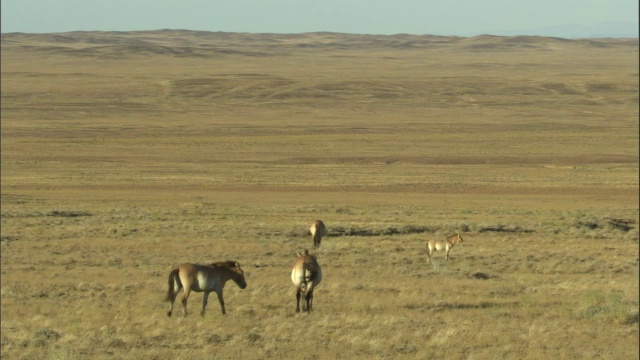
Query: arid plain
125	154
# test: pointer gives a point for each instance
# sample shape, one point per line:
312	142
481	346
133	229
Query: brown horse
318	231
446	245
203	278
306	275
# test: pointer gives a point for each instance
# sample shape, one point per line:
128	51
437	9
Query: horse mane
228	263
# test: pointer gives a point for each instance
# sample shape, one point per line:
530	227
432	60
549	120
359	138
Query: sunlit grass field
126	154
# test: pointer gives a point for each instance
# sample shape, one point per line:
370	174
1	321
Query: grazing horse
446	245
306	275
317	230
203	278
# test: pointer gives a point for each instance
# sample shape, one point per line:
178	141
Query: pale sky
435	17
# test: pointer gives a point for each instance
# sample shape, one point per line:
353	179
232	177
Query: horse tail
173	279
308	274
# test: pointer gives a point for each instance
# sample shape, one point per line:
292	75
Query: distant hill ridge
203	43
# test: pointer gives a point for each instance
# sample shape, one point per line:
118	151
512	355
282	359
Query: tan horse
203	278
306	275
435	245
318	231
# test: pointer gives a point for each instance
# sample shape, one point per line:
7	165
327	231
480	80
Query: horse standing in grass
203	278
306	275
318	231
435	245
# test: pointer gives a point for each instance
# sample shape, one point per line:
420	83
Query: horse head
238	275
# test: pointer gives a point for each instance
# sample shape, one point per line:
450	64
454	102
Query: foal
446	245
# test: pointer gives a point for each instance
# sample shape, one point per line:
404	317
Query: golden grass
124	154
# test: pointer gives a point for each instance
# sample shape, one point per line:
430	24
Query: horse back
199	277
439	244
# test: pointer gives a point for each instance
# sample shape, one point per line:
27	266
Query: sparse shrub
8	238
439	267
480	276
121	232
414	229
68	213
597	305
296	232
390	230
117	343
343	211
504	228
217	338
253	337
62	353
630	319
44	336
590	225
619	224
607	223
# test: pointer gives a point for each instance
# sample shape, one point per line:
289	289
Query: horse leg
171	306
174	288
221	301
447	257
298	300
172	298
184	300
309	298
204	302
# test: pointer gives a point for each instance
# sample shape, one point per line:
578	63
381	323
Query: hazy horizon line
541	32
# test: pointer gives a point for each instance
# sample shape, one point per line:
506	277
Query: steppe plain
125	154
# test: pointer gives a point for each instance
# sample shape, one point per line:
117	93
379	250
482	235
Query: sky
434	17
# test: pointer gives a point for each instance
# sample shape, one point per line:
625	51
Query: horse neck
453	239
310	261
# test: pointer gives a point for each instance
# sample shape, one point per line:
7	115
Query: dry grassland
124	154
